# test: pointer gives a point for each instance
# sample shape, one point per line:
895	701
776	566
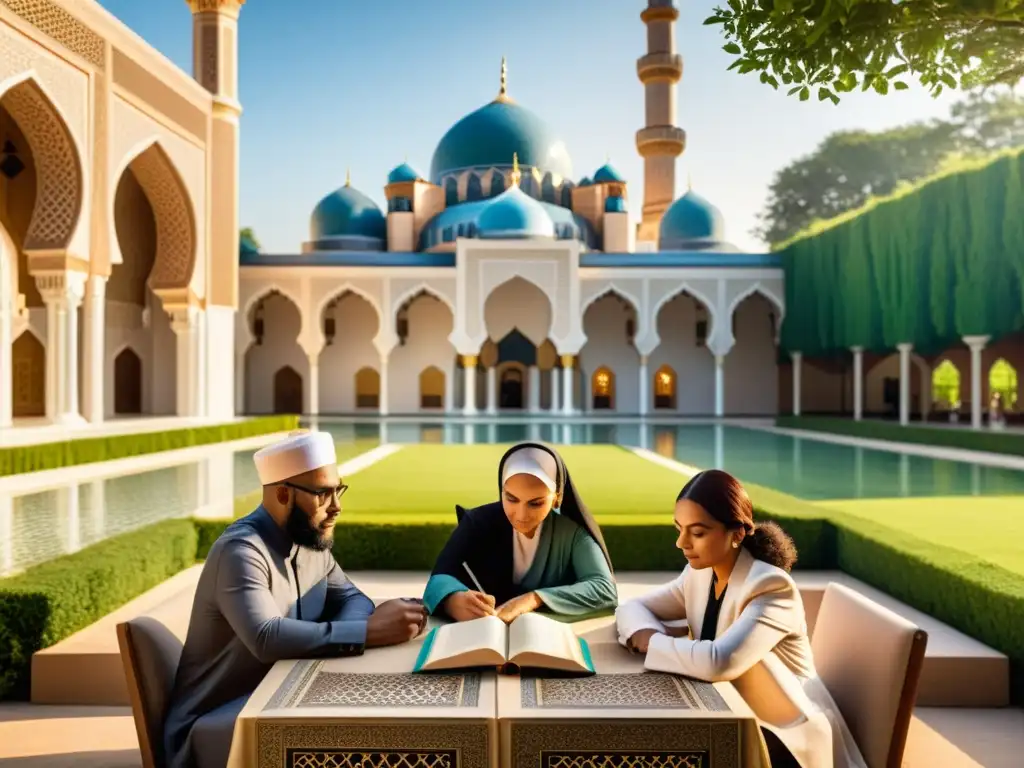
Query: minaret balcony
660	66
660	140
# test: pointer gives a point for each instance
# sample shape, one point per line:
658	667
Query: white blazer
760	645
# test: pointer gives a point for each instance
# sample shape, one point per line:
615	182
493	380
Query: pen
473	577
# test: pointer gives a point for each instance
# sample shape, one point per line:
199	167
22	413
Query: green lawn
423	483
988	527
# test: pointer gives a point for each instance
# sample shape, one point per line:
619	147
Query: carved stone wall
173	174
57	23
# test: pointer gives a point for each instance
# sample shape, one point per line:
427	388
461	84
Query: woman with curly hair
746	624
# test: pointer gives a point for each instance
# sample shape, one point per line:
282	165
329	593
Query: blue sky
328	85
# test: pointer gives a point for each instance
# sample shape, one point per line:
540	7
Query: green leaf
794	90
881	86
948	79
805	93
899	85
825	93
732	48
897	70
715	20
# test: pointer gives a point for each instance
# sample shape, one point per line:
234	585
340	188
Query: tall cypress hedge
928	265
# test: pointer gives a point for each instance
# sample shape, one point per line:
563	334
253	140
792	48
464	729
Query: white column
645	387
904	350
62	293
6	365
976	344
567	381
492	389
469	385
555	378
858	382
383	400
719	385
240	381
94	349
312	404
534	393
184	323
449	394
719	446
797	359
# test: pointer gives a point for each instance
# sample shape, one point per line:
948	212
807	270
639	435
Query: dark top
710	626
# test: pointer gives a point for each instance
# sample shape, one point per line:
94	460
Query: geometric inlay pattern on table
347	744
587	743
644	690
308	685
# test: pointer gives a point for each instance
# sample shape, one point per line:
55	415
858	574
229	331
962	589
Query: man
270	589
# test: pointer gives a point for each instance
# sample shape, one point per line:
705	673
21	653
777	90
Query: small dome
690	219
246	246
513	215
347	212
585	182
607	174
614	204
404	172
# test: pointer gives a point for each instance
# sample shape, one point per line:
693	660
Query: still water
64	517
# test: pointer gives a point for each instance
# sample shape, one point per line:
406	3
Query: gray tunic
247	615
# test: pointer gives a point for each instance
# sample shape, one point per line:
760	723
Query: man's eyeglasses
322	495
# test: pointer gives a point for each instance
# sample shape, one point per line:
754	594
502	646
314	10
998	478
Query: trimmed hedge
87	450
53	600
965	438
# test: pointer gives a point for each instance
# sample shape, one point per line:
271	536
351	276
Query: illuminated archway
367	388
665	388
432	387
602	387
946	386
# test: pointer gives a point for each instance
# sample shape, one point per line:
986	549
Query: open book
531	641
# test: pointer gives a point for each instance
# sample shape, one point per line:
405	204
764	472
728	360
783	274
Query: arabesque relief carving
52	20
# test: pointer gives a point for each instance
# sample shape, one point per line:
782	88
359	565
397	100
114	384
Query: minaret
215	67
660	142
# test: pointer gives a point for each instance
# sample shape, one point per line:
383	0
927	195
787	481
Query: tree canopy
245	234
836	47
851	167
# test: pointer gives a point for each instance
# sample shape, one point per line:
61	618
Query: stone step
85	669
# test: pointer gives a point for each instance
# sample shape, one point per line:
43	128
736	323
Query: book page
479	642
533	635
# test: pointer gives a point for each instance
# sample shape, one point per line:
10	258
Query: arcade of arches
78	344
518	368
958	383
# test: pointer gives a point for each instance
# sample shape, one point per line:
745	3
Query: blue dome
347	212
606	174
489	137
585	182
614	204
690	220
246	246
404	172
514	214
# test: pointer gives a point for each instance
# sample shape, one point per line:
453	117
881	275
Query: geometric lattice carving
624	760
209	48
58	172
649	690
374	759
54	21
175	222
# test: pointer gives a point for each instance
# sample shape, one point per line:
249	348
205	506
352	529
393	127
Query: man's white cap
532	461
297	453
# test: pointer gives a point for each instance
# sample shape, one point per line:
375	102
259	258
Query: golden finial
503	90
516	175
348	177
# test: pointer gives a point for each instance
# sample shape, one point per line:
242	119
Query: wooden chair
870	660
150	653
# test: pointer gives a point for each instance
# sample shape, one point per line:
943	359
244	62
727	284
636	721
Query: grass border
18	459
1008	443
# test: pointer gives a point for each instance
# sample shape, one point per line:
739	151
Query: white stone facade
414	340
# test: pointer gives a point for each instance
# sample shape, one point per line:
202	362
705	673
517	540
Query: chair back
870	660
150	653
459	512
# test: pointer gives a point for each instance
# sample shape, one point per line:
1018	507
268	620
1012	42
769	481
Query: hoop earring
735	545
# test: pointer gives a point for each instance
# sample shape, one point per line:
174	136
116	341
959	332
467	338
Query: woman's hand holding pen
465	606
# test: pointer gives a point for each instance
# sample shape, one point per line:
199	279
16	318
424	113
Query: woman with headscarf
538	548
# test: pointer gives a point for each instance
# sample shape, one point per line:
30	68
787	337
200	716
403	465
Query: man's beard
304	533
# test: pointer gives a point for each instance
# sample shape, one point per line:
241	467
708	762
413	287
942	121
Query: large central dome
489	137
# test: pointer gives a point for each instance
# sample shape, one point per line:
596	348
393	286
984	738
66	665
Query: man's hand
517	606
466	606
640	641
394	622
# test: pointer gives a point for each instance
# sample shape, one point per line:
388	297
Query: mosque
502	284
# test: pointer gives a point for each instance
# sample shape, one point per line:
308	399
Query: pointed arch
173	211
602	389
759	289
946	385
432	385
413	292
1002	378
611	287
367	387
263	293
681	289
59	173
288	394
540	335
339	292
665	385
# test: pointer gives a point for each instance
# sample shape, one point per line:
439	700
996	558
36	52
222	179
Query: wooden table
370	712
